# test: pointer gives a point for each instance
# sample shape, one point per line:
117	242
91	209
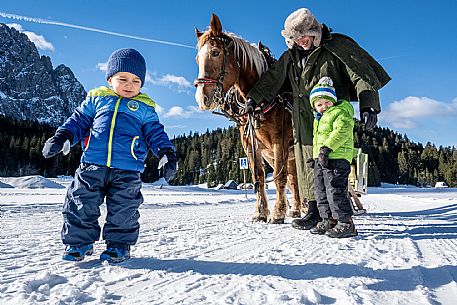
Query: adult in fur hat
314	52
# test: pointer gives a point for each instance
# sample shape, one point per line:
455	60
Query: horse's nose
206	100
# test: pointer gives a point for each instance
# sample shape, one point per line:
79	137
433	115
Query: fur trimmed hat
299	23
126	60
323	90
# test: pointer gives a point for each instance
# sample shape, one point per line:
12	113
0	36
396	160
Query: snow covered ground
198	246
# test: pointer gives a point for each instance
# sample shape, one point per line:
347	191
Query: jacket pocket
133	145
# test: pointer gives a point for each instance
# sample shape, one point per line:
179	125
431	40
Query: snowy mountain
29	86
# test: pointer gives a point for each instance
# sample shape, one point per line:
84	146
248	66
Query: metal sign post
244	166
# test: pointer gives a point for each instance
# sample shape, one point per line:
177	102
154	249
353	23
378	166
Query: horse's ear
198	33
215	25
260	45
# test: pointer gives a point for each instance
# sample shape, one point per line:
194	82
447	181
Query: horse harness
229	102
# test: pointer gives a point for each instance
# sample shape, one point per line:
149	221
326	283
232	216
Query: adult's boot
310	219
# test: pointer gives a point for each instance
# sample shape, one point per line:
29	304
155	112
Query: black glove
251	105
369	117
55	144
310	163
169	168
324	151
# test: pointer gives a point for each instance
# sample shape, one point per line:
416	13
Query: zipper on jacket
111	132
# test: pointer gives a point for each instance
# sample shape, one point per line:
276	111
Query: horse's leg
261	206
280	175
295	211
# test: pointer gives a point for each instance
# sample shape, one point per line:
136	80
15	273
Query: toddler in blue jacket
116	126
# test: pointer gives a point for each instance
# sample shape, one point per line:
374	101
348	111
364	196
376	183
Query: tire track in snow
439	265
432	232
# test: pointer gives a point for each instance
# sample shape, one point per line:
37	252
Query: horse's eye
215	53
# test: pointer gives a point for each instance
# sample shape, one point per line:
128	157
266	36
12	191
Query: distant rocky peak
30	89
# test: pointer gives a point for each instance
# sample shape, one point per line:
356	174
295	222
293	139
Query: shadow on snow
384	280
428	228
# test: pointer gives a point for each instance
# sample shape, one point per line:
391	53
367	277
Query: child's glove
55	144
324	151
167	159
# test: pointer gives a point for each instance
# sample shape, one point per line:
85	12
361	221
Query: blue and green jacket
115	131
335	129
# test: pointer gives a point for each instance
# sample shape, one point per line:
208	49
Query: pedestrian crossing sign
244	163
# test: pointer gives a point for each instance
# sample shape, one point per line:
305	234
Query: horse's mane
248	54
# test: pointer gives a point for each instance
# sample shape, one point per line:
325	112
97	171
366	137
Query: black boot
310	219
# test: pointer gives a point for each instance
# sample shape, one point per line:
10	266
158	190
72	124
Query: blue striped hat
323	90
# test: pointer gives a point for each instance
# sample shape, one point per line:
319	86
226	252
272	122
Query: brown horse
228	68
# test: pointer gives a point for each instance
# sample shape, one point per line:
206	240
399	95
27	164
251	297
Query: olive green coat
335	129
355	74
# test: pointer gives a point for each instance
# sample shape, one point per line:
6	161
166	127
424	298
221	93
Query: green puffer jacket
335	129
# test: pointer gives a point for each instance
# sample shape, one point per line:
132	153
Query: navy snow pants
331	189
92	185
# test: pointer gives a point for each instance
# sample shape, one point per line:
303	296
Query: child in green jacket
333	146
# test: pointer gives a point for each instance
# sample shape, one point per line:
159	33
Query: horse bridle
219	93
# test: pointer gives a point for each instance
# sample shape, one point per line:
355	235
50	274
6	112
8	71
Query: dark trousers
92	185
331	190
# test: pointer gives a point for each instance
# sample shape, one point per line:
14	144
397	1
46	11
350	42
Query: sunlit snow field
198	246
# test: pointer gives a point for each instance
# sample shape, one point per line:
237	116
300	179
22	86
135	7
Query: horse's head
217	67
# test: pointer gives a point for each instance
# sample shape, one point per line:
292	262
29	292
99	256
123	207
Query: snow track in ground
200	247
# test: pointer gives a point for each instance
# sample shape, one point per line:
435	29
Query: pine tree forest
212	157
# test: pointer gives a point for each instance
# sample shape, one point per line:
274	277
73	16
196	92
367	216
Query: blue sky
415	41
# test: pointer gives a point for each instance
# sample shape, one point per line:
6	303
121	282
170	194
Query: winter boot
310	219
323	226
115	252
342	230
77	253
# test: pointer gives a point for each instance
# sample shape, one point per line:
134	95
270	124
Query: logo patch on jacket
133	105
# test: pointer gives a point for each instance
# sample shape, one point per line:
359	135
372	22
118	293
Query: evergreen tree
212	157
211	176
374	178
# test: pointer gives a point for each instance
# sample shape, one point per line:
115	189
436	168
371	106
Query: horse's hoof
259	218
276	221
294	214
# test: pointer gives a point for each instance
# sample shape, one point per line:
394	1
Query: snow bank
32	182
397	186
5	185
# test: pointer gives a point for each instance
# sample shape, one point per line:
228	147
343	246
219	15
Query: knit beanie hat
126	60
299	23
323	90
